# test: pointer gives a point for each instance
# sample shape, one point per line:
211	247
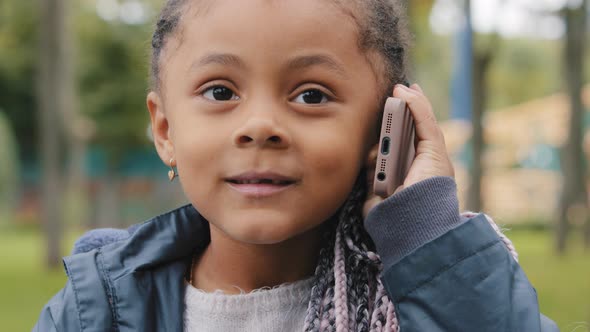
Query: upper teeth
261	181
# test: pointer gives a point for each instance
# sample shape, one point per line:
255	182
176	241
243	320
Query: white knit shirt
281	308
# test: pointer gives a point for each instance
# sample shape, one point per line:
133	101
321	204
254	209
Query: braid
341	286
328	321
365	264
362	307
323	279
348	294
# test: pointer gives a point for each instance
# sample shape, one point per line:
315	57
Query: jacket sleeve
45	322
60	313
447	273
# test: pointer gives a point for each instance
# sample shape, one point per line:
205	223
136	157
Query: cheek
197	150
335	157
342	145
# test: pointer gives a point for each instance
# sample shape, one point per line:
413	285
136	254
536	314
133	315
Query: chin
260	232
264	228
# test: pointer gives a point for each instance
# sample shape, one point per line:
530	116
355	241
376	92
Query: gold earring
172	173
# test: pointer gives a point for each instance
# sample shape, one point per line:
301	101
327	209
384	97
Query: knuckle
411	98
429	120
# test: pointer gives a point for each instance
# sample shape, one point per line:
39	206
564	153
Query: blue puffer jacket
463	279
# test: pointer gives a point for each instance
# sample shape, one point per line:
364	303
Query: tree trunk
481	64
572	156
52	99
473	202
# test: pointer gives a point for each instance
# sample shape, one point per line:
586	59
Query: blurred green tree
18	44
110	59
112	76
113	80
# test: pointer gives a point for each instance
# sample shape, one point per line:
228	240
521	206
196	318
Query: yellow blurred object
511	134
456	132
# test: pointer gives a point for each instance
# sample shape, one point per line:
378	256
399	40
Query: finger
424	118
416	87
370	203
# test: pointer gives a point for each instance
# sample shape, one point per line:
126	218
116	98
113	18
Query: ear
160	127
371	158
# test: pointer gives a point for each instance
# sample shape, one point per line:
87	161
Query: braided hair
347	294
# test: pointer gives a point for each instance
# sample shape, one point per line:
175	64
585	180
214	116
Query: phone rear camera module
381	176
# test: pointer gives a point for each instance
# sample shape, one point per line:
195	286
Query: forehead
266	29
282	11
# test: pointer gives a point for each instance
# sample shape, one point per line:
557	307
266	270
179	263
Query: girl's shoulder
100	237
111	268
146	230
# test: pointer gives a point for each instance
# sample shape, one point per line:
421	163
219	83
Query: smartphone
396	147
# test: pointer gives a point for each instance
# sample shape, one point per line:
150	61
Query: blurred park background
507	79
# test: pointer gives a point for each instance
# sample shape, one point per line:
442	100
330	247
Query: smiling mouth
262	181
260	188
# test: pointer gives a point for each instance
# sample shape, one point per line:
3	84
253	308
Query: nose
262	131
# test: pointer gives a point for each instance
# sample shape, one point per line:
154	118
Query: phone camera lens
381	176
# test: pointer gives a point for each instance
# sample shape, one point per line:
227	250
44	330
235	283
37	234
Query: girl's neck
233	266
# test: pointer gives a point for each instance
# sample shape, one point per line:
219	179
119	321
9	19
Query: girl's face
266	89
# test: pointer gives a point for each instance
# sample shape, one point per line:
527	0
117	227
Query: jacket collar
139	275
169	237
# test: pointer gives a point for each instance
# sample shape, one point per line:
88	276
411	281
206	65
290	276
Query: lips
261	178
260	184
260	181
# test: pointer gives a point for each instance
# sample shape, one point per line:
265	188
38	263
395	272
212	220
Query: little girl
268	112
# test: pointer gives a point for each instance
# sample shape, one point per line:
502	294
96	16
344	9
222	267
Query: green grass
25	286
562	283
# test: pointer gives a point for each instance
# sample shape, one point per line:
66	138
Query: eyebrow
224	59
299	62
306	61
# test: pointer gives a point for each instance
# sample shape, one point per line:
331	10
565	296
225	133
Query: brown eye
312	96
220	93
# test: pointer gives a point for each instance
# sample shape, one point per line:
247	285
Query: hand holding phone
398	164
396	147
